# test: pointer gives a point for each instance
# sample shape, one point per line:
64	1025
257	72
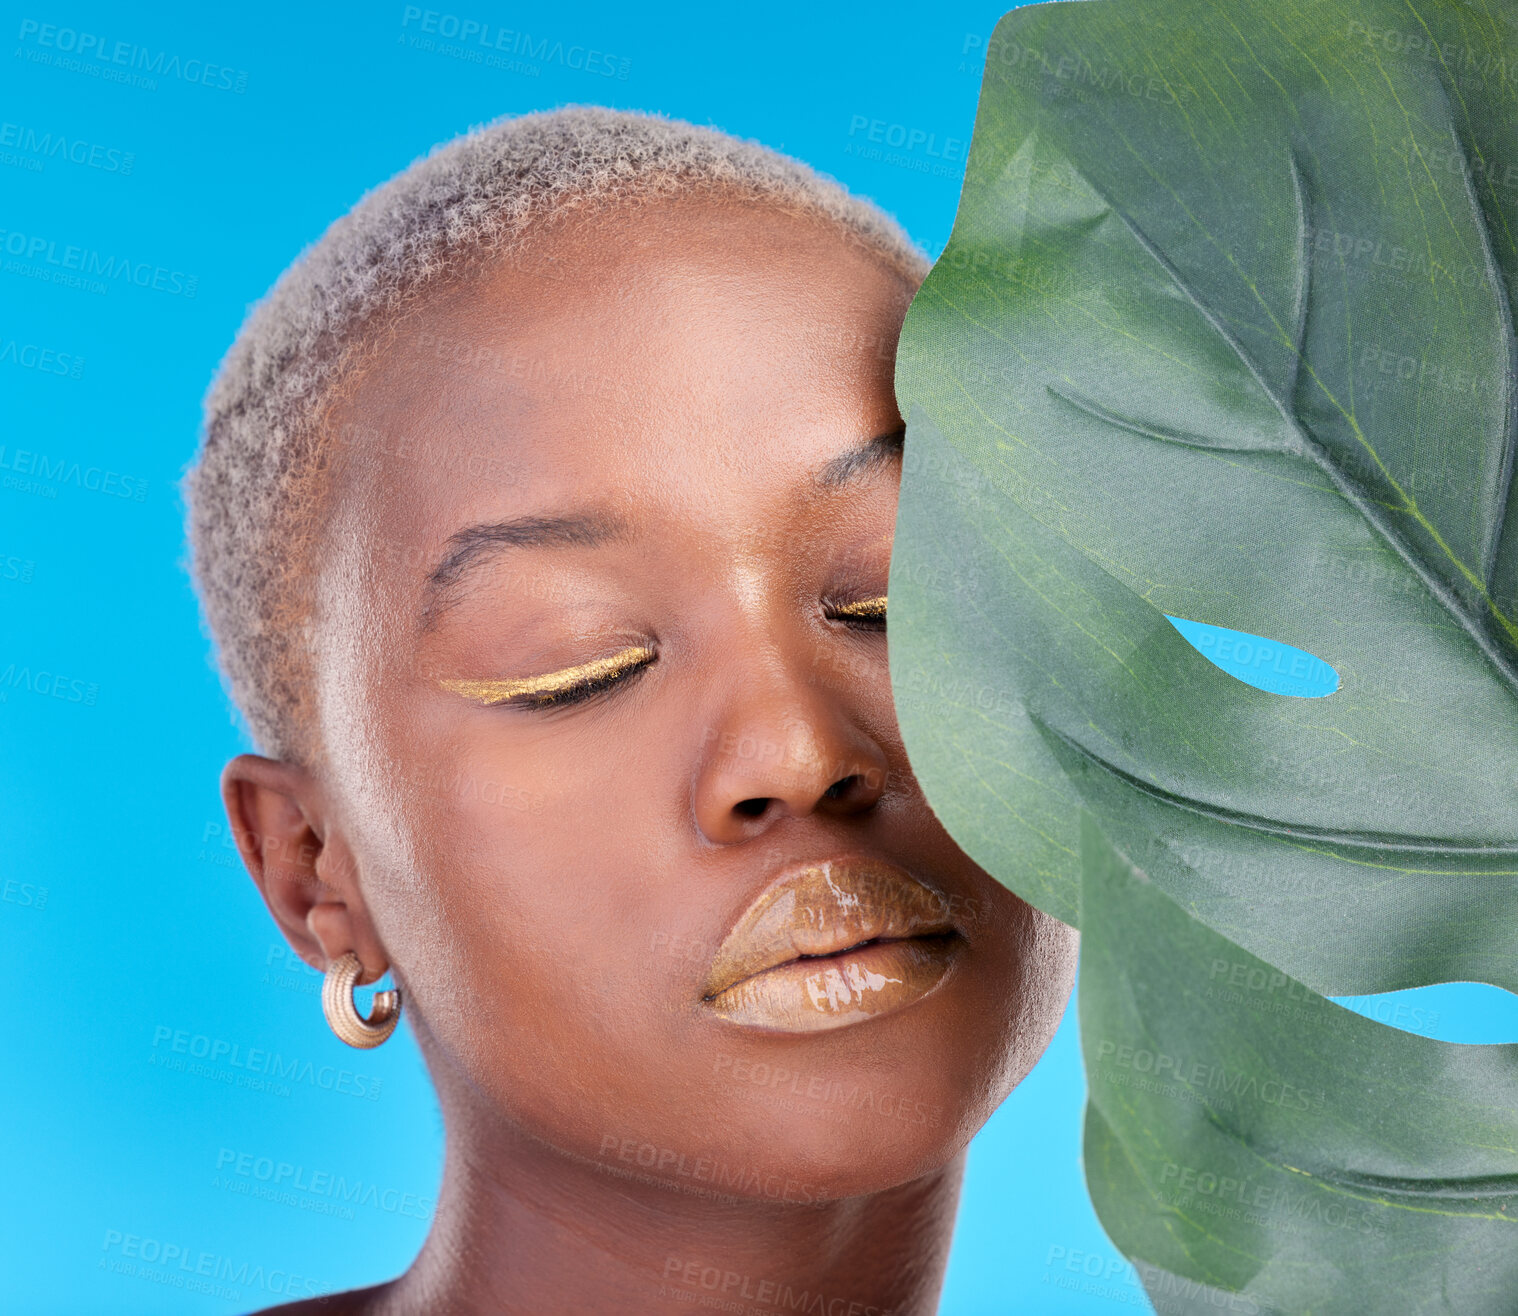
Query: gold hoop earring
343	1016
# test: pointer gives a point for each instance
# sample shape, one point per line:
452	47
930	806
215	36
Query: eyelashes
573	685
563	687
861	610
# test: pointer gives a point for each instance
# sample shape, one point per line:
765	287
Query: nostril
844	787
840	788
751	808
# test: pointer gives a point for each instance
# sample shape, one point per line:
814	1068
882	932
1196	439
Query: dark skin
547	885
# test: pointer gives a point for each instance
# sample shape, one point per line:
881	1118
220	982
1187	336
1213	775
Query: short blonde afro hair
253	495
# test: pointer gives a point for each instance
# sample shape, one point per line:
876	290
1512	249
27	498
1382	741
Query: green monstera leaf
1246	1136
1223	342
1224	332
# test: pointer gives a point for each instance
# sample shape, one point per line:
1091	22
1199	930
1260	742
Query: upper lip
823	906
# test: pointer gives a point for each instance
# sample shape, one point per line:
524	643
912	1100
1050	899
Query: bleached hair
253	495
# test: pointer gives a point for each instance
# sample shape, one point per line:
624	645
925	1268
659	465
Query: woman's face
658	448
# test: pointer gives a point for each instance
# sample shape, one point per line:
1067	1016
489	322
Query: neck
521	1227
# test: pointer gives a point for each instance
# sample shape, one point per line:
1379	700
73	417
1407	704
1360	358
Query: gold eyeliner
554	683
862	608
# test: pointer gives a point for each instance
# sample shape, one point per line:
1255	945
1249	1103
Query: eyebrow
849	466
470	548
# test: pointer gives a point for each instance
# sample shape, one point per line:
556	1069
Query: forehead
648	354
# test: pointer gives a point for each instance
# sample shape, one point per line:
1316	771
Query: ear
302	868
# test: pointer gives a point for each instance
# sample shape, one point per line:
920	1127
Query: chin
864	1107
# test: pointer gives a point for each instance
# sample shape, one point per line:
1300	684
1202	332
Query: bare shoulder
352	1302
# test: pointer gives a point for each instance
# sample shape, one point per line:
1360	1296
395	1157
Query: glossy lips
833	943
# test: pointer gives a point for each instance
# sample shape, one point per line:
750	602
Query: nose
783	747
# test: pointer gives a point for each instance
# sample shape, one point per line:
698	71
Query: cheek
1047	954
1024	973
547	944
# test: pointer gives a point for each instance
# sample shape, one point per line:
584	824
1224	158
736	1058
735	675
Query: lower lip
810	995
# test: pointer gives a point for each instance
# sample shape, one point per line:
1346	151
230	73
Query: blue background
125	916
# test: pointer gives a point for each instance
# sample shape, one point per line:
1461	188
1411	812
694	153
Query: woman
543	521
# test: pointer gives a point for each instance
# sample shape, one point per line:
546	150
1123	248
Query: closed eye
570	685
573	685
867	614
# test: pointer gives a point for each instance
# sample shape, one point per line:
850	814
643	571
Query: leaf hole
1269	665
